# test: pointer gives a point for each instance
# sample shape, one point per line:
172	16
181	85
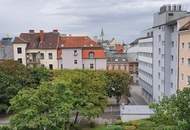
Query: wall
68	59
46	61
22	55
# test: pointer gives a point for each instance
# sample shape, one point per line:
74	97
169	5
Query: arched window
91	55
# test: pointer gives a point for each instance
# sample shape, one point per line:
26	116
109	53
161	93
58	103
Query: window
91	66
159	38
75	61
188	80
50	55
183	45
173	29
75	53
172	57
172	71
42	55
172	43
188	61
159	63
182	60
159	51
159	75
159	87
172	85
19	50
20	60
170	14
50	66
91	55
82	66
189	44
116	59
61	66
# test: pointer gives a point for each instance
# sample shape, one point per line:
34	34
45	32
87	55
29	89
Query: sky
122	19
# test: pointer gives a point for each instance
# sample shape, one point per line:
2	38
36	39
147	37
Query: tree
13	77
118	84
174	110
88	89
45	108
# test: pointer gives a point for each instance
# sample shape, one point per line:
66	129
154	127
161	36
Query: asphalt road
136	96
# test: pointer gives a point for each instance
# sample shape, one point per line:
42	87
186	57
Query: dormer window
91	55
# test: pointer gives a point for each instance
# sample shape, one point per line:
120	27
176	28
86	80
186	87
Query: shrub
129	128
92	125
5	128
119	122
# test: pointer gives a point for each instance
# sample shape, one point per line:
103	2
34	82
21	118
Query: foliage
40	74
5	128
48	107
118	84
88	89
174	111
14	77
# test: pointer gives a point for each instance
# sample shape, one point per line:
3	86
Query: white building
145	67
165	50
55	51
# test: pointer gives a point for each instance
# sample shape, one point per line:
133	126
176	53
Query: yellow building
184	53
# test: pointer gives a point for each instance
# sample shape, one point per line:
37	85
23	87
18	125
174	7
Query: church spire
102	35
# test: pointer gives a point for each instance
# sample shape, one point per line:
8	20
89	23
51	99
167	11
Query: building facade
56	51
145	67
6	48
165	51
184	53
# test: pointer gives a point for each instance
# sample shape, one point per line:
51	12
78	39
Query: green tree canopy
47	107
15	76
118	84
174	110
89	91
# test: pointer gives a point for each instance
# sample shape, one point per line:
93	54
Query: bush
5	128
92	125
75	127
119	122
129	128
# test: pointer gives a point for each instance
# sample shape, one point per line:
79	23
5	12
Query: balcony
33	58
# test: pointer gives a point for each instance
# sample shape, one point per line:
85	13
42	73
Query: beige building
184	53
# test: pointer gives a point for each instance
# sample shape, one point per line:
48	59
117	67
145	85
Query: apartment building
145	67
165	50
56	51
184	53
81	53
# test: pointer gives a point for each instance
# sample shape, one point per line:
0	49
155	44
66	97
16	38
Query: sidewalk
136	96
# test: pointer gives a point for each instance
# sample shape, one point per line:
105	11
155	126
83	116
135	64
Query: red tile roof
19	40
98	53
77	42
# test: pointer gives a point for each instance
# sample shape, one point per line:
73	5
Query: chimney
55	30
31	31
41	36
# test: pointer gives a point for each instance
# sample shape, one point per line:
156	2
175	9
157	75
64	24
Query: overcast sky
122	19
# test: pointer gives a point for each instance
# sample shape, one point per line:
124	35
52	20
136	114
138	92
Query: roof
185	27
40	40
77	42
98	53
19	40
